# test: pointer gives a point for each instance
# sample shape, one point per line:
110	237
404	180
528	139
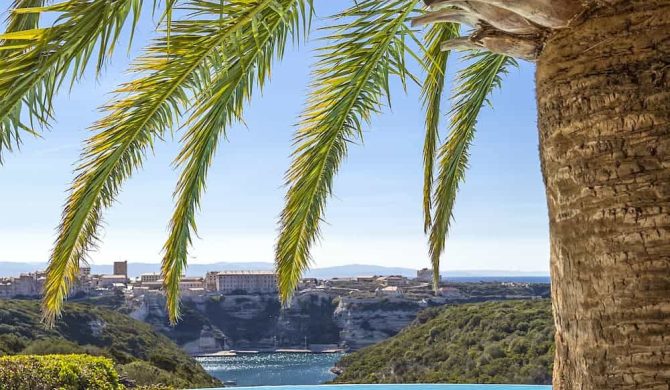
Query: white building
6	289
392	280
392	291
139	290
27	284
210	280
366	279
157	285
110	280
150	277
194	291
426	275
260	282
188	283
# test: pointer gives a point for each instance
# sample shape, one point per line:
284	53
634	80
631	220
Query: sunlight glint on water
272	368
269	370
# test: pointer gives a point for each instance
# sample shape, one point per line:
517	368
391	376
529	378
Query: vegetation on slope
140	354
69	372
492	342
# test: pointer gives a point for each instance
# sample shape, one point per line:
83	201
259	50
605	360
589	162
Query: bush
94	330
56	346
67	372
492	342
163	362
52	346
146	376
10	343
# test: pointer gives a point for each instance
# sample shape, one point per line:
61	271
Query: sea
517	279
306	371
272	369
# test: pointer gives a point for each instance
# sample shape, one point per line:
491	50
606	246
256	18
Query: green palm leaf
350	80
435	62
250	59
475	83
16	22
35	61
170	74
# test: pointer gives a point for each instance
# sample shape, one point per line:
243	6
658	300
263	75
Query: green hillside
140	354
492	342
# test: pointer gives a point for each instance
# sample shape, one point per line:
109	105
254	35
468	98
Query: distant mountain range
135	269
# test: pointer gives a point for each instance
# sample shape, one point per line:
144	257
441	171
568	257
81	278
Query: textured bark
603	88
517	28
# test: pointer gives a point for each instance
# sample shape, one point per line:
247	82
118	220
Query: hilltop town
222	282
240	309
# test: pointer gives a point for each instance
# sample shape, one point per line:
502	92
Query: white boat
224	354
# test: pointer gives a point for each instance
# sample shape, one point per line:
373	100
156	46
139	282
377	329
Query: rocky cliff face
366	321
315	319
210	324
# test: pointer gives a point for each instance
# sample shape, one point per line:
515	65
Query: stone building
150	277
107	281
425	275
210	280
188	283
121	268
26	284
261	282
392	280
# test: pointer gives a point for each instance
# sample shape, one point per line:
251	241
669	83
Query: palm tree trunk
603	88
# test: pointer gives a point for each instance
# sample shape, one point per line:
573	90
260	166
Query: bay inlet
272	369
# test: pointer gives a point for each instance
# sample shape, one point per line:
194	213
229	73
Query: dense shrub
155	387
94	330
493	342
56	346
146	376
67	372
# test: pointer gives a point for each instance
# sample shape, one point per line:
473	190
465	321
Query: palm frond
435	62
351	78
16	22
168	76
475	83
35	61
249	62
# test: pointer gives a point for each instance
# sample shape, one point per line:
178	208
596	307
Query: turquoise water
400	387
272	369
297	371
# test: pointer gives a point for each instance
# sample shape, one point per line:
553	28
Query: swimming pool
398	387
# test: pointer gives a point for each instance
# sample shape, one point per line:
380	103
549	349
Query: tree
603	86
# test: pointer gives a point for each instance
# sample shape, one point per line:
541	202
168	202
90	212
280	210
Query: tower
121	268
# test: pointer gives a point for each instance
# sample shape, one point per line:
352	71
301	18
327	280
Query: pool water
399	387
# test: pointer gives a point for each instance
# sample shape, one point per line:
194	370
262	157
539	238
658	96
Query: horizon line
538	272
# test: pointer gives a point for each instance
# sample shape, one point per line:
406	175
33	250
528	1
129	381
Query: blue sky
375	216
